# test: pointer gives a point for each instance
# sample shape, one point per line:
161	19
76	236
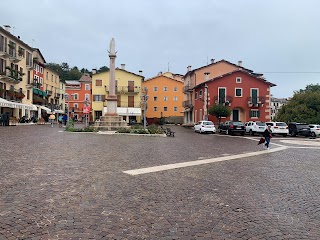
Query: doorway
235	115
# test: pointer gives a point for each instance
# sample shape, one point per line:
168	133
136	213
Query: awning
58	111
48	110
5	103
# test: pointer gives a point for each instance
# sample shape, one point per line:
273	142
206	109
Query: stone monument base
110	122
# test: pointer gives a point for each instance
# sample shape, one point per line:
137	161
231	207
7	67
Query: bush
124	130
86	129
139	131
153	129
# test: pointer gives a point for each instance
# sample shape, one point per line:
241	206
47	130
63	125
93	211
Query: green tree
219	111
103	69
304	106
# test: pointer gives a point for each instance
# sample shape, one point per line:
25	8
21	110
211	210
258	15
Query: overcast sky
268	36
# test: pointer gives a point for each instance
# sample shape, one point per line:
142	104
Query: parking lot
59	185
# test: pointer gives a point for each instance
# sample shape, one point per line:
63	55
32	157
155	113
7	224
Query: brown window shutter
93	97
103	97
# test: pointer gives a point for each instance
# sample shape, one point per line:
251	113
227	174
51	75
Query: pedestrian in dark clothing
65	118
267	134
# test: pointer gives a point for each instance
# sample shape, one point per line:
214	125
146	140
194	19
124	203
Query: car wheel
313	134
200	131
227	131
292	134
242	134
284	135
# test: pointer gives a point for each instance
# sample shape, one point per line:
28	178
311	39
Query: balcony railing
226	100
187	88
49	93
256	101
11	94
14	56
125	89
11	75
57	95
187	104
4	51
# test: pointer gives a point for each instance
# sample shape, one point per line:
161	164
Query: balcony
12	94
38	100
125	89
226	101
14	57
29	65
49	93
256	101
187	104
187	88
11	76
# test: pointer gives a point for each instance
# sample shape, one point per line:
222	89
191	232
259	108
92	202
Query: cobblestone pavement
58	185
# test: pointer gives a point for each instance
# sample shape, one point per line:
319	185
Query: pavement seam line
166	167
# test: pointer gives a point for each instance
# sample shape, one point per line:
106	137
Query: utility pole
144	99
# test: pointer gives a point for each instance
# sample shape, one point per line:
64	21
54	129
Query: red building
79	96
247	94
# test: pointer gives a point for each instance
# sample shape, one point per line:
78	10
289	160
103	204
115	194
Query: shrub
124	130
139	131
153	129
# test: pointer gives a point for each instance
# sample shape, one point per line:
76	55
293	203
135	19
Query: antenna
168	67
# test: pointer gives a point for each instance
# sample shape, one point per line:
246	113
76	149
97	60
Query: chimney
212	60
94	71
140	72
240	63
123	66
7	28
206	76
189	68
160	73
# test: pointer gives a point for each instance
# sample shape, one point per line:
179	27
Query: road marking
199	162
301	142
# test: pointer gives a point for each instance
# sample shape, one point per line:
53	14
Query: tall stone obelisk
112	97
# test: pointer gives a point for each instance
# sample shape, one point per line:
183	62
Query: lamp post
66	95
86	103
206	102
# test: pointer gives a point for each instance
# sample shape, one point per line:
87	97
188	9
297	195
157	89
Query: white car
204	127
315	130
280	128
255	127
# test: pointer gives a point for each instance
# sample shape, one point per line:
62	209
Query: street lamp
66	95
86	103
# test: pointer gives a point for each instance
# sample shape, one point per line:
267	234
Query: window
155	89
165	109
165	89
238	79
238	92
55	79
155	109
254	113
155	99
254	95
200	93
98	98
175	89
175	99
165	99
51	77
175	109
28	94
222	95
41	69
87	97
47	76
75	97
98	82
87	87
196	95
41	80
75	105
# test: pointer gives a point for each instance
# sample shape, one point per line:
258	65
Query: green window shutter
258	113
250	114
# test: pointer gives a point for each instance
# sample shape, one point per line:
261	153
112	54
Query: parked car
280	128
204	127
315	130
230	127
255	127
302	129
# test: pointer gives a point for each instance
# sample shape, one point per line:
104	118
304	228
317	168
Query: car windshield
261	124
237	123
303	125
208	123
281	124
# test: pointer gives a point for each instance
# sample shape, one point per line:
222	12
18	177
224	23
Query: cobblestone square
59	185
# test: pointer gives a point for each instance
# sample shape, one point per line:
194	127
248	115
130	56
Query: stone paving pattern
58	185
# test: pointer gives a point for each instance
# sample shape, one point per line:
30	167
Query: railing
11	94
38	100
49	93
187	104
187	88
3	50
226	100
256	101
11	75
125	89
57	95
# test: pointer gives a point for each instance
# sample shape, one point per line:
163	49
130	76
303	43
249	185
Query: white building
276	104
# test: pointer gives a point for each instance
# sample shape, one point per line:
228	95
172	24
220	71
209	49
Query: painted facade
79	96
128	91
166	95
16	65
246	94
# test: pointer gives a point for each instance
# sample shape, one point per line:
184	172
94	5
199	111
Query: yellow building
128	90
52	86
16	66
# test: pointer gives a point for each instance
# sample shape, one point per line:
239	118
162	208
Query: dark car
230	127
296	129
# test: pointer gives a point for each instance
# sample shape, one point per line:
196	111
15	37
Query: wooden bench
169	133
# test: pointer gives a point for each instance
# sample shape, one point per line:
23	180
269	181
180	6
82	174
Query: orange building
165	92
79	95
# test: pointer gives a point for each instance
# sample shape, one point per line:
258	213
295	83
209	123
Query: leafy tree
304	106
103	69
74	74
219	111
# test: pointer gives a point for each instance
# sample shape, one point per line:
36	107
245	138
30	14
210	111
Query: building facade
128	90
165	97
79	97
246	94
276	104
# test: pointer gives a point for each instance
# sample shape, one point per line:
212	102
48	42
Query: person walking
60	119
267	134
65	119
52	118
